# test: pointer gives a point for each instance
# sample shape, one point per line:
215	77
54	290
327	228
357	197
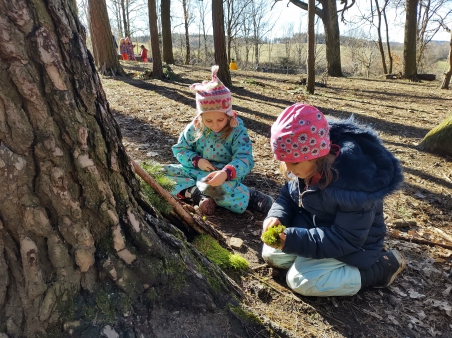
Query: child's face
215	120
301	169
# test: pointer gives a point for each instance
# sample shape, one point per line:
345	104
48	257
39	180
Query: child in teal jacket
215	154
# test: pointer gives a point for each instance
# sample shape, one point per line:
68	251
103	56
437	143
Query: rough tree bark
71	219
220	42
311	48
409	45
157	69
105	55
439	139
167	42
329	17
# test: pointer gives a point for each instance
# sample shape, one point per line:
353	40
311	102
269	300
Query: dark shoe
205	203
259	201
384	271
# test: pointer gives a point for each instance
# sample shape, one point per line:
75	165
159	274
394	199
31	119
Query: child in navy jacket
332	204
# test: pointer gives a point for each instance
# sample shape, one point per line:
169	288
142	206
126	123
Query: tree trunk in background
329	17
105	55
125	18
310	84
332	37
71	218
187	33
220	42
157	70
409	46
167	42
380	40
448	74
439	139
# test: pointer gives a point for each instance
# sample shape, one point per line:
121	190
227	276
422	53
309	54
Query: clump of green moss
271	235
155	170
219	255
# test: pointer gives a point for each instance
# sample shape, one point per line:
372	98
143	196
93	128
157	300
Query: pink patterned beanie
214	96
300	133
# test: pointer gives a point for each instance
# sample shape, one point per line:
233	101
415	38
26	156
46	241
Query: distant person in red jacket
144	54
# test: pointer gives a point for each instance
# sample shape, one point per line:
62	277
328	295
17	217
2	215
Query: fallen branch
194	221
417	240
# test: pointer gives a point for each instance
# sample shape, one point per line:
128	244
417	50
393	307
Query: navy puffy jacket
344	220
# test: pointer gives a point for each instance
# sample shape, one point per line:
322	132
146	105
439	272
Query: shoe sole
207	206
402	262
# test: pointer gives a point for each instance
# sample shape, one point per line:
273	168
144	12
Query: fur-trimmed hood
368	171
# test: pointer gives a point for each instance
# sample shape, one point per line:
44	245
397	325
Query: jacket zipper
300	201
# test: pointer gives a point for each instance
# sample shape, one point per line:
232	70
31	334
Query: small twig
259	267
413	239
443	234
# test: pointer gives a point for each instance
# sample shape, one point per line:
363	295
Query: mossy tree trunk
70	214
439	139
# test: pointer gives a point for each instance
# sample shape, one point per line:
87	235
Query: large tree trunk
439	139
105	55
167	41
220	43
71	218
409	46
311	48
329	17
157	69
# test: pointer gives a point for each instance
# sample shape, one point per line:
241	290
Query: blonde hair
323	166
200	128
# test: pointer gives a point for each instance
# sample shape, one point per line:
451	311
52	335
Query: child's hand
205	165
270	222
216	178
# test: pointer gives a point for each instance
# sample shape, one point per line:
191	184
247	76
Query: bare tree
261	25
409	47
187	20
329	16
203	8
157	70
220	43
310	84
235	9
167	42
431	14
105	54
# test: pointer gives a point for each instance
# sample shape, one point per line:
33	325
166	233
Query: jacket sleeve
184	149
284	208
346	235
242	152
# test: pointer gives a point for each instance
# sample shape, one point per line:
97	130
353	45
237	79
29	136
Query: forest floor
151	114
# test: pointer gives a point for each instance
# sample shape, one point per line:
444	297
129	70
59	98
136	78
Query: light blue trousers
315	277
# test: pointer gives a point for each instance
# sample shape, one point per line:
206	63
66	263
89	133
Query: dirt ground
151	114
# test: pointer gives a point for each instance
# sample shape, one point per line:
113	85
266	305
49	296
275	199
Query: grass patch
219	255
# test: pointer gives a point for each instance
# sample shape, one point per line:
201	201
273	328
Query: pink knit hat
300	133
214	96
